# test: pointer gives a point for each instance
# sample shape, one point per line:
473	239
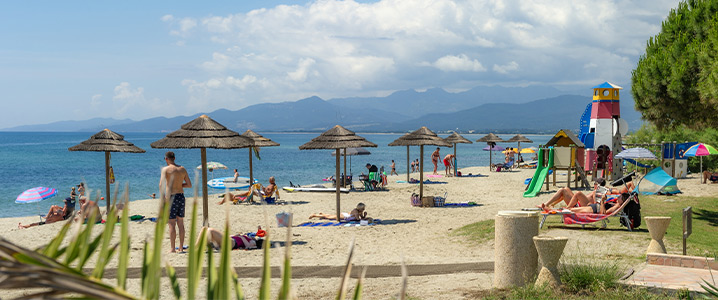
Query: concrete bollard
549	251
657	228
515	255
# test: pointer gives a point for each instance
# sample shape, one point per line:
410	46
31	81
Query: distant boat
229	183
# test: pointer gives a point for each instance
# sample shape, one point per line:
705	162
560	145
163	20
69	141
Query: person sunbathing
713	177
256	190
603	207
580	199
55	214
239	241
357	214
87	208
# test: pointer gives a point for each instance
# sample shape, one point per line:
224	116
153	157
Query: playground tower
603	127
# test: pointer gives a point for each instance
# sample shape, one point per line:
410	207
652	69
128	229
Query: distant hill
496	109
413	104
95	124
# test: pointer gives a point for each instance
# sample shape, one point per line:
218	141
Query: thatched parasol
490	139
518	139
259	141
107	141
456	138
337	138
420	137
203	133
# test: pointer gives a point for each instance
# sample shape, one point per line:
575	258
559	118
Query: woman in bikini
435	159
357	214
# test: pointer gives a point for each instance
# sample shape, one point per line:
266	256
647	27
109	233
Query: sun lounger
568	217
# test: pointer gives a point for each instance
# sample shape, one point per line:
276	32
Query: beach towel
583	218
338	224
434	176
461	204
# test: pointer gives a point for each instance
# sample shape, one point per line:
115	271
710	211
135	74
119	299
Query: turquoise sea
30	159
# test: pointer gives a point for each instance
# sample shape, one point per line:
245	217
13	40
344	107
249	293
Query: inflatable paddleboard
314	189
228	183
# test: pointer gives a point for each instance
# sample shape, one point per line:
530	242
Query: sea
32	159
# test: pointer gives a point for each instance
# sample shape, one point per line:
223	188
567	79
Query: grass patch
477	232
580	281
704	239
578	278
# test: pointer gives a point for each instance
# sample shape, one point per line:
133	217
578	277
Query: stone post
549	251
657	228
515	255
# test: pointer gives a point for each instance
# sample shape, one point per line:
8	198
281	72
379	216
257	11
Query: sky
79	60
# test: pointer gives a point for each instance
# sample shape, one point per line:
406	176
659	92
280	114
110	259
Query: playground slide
540	175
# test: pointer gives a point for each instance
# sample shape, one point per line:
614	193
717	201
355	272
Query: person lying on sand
240	241
356	214
256	189
55	214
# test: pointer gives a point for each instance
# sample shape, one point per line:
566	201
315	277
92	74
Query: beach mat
339	224
460	204
472	175
425	182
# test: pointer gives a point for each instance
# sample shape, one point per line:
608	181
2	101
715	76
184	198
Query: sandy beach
420	236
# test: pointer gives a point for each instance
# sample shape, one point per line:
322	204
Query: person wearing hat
578	198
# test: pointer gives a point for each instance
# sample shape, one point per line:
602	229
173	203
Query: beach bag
284	219
415	201
633	211
427	201
439	201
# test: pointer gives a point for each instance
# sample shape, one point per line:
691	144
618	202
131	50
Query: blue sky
139	59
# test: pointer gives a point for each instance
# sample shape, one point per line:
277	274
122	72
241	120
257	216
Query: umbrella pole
455	159
107	179
421	172
344	180
407	163
205	206
251	175
491	150
337	176
700	172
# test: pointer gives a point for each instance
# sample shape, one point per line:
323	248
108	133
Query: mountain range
532	109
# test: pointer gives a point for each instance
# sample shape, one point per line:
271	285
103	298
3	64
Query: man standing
176	180
393	168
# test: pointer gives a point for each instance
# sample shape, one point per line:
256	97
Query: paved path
372	271
671	277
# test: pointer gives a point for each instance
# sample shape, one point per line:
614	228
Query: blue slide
541	172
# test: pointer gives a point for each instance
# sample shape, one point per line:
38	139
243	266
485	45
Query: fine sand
418	236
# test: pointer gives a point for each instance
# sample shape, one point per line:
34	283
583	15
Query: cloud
505	69
336	48
451	63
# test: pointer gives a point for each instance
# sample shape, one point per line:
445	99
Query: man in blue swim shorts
175	179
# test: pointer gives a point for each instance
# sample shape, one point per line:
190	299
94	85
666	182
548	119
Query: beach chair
502	167
569	218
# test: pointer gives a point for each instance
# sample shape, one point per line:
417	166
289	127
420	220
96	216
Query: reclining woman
603	207
239	241
256	190
579	199
356	214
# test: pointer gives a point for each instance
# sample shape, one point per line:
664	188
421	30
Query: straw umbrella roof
107	141
520	138
419	137
337	138
203	132
259	140
457	138
490	138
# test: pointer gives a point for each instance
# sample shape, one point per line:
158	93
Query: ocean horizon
31	159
